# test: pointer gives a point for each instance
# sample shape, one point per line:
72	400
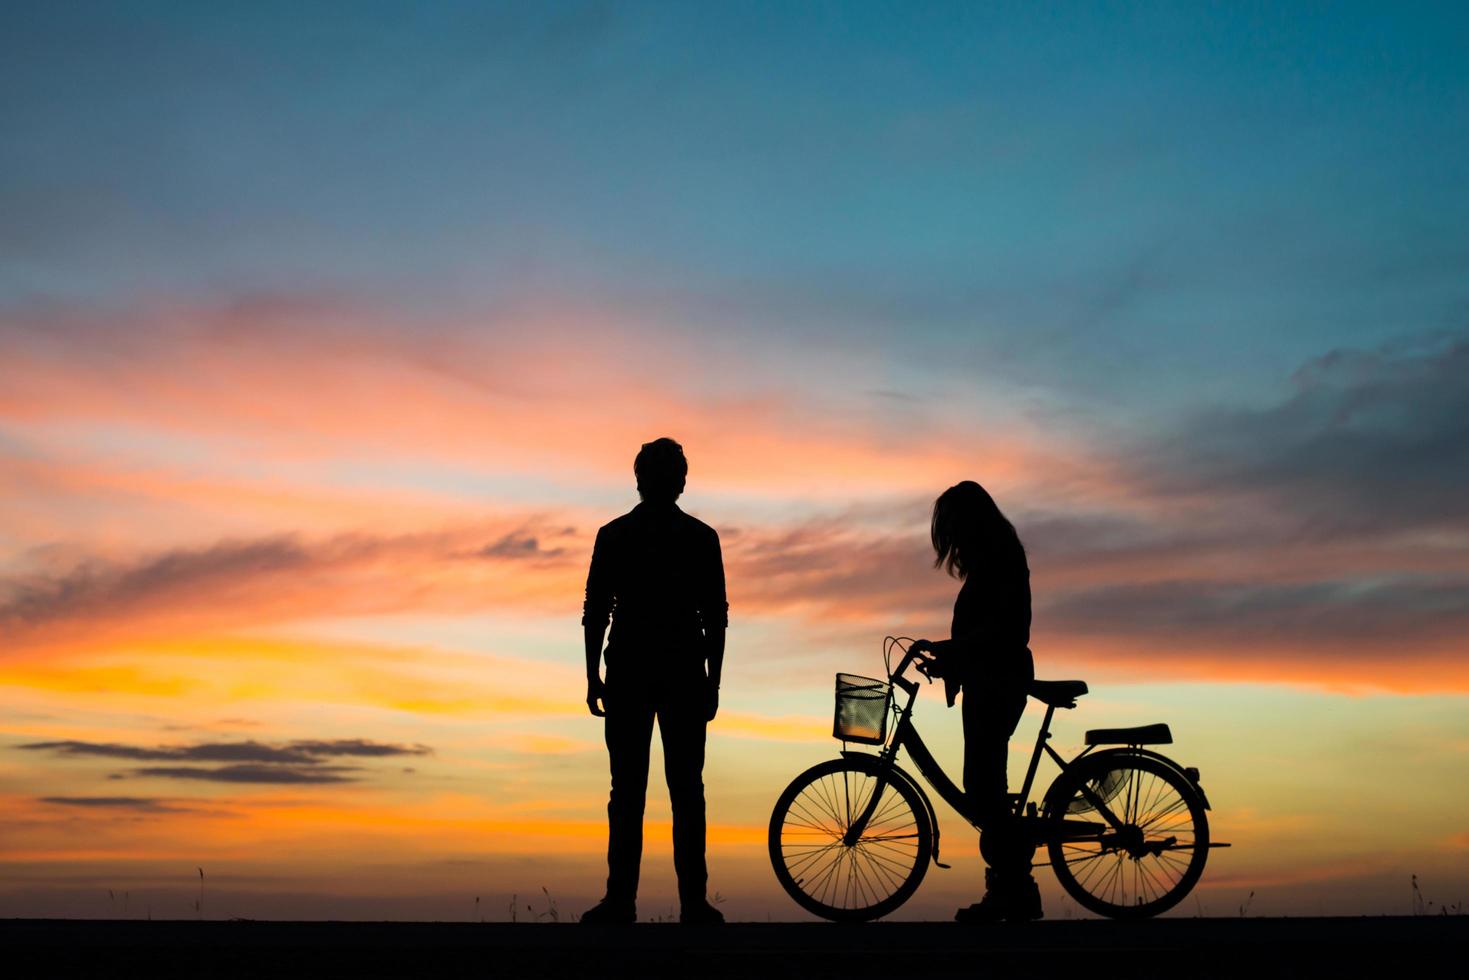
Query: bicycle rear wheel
817	868
1155	859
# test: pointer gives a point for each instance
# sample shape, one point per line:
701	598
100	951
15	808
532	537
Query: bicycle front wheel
868	878
1148	865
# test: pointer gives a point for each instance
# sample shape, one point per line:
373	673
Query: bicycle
850	839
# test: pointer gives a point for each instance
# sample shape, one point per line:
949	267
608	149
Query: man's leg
682	723
629	734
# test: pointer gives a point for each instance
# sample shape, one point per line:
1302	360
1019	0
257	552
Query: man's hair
661	470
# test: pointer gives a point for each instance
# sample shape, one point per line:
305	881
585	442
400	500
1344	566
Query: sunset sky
328	333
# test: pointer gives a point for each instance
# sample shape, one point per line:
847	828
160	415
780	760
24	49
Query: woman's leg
990	716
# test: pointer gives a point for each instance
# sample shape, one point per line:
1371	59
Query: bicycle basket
862	709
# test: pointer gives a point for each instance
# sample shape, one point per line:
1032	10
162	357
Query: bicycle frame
905	735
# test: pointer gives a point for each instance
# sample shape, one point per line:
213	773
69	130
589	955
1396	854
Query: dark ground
1426	947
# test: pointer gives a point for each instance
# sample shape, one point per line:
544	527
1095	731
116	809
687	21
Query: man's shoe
610	913
700	913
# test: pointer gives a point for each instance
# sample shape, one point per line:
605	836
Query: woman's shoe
987	909
992	908
1011	898
1025	902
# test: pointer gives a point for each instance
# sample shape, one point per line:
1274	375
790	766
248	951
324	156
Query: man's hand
711	700
596	691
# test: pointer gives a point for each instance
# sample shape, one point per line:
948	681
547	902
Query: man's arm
714	614
593	637
596	610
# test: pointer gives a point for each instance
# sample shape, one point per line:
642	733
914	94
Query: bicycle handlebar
921	662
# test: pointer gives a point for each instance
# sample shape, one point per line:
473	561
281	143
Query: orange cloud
834	581
293	829
553	396
223	470
280	579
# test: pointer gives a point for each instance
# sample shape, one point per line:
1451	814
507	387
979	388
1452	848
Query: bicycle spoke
1178	804
893	806
1103	867
817	828
893	873
832	793
1073	862
814	869
818	820
886	860
864	890
817	810
827	879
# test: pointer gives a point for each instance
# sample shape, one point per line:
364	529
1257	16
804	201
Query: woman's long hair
968	527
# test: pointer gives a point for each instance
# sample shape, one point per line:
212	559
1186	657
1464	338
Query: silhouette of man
658	574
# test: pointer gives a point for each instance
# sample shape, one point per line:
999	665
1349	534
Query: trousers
680	709
990	713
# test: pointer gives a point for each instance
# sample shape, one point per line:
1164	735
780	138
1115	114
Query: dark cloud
1333	521
145	804
298	762
1369	441
94	587
824	563
358	747
290	753
518	545
1055	537
1182	580
1345	613
889	394
111	750
253	774
218	577
208	752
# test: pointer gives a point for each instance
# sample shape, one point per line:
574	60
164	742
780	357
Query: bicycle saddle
1142	735
1058	694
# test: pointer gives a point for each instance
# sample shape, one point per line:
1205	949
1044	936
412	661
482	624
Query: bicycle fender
1187	772
898	773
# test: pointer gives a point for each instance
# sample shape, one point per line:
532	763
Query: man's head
661	470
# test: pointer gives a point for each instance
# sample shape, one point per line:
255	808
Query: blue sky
1073	188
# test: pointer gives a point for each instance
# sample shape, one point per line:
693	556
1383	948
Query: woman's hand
930	666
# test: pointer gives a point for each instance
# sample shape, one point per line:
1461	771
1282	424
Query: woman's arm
996	616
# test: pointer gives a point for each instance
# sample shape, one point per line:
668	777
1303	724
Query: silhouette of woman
988	659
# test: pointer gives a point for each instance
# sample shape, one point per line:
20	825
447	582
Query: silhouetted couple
657	574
